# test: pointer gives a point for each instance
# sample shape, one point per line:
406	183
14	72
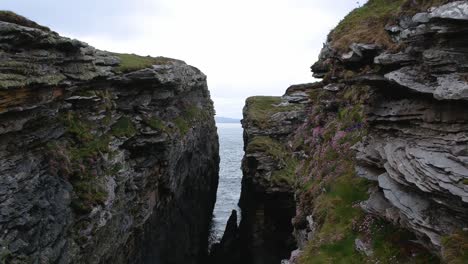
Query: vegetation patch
11	17
367	23
78	160
182	124
156	124
266	144
286	163
190	116
329	189
124	128
133	62
455	247
392	244
5	255
287	174
465	181
261	108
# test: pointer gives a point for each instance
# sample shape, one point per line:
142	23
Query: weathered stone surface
360	52
363	247
457	10
98	166
447	87
417	137
400	58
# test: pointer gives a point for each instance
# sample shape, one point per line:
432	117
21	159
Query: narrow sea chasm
230	177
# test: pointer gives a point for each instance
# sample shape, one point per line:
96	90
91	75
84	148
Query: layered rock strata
267	197
104	158
417	141
416	125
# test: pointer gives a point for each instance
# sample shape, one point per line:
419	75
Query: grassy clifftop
259	109
133	62
367	23
11	17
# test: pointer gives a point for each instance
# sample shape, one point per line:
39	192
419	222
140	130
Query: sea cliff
380	164
105	157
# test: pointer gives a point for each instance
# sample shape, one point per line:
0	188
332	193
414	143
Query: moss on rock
133	62
156	124
259	109
287	164
77	161
190	116
123	128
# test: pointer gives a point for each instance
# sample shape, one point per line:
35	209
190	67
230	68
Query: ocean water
230	176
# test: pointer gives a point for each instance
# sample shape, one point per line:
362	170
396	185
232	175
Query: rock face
417	142
99	162
267	197
228	250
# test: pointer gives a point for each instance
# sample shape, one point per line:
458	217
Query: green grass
465	181
337	215
182	124
191	115
367	23
287	174
393	244
455	248
268	145
75	160
89	194
287	171
335	208
156	124
133	62
331	190
123	128
261	108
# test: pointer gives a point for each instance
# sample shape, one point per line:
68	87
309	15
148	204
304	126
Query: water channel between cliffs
230	177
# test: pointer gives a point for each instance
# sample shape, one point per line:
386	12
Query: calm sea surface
230	175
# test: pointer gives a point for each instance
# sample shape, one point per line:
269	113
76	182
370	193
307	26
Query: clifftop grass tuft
133	62
367	23
11	17
259	109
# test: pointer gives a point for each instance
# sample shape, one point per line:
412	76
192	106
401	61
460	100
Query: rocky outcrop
417	142
415	149
228	250
103	157
267	197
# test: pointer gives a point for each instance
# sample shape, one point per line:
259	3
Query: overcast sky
246	47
